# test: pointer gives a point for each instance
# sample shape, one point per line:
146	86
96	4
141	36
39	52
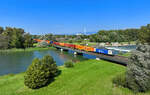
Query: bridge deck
117	59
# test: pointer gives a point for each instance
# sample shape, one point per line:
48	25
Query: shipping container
86	48
103	51
61	44
76	46
79	47
37	40
72	46
66	45
51	42
56	43
47	41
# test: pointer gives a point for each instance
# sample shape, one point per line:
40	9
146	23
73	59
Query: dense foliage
14	38
137	77
138	69
144	34
127	35
3	42
40	73
68	64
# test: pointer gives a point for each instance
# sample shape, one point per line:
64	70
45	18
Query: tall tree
144	34
15	43
3	42
1	30
28	41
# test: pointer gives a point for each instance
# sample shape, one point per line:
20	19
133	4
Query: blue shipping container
104	51
51	42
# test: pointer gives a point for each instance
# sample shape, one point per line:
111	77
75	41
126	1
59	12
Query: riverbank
27	49
89	77
128	54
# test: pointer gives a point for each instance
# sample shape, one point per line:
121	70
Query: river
16	62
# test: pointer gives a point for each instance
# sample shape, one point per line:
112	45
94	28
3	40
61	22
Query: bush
138	69
40	73
69	64
137	77
43	44
120	80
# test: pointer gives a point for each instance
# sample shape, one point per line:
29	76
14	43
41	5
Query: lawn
89	77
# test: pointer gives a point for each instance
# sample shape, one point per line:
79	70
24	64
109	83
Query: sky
73	16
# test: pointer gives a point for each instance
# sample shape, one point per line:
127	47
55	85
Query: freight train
80	47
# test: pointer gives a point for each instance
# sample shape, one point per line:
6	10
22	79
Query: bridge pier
97	58
75	53
61	49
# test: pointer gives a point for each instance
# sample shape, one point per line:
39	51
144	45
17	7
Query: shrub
40	73
43	44
120	80
69	64
138	70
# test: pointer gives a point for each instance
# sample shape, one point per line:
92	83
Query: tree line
126	35
18	38
14	38
142	35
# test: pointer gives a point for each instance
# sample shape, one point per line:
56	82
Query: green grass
27	49
89	77
128	54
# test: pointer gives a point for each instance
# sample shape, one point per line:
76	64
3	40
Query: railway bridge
115	58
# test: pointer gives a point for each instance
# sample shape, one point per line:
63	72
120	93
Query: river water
17	62
122	49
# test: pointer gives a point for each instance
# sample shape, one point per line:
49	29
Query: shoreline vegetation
25	50
92	76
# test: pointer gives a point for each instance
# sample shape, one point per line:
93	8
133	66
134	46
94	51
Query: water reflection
19	61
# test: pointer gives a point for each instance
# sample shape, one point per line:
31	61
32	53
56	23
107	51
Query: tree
3	42
40	73
8	31
1	30
15	37
48	37
28	41
15	43
138	69
144	34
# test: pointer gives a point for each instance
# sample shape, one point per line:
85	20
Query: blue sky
71	16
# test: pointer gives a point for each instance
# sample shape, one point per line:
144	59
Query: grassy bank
89	77
128	54
27	49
